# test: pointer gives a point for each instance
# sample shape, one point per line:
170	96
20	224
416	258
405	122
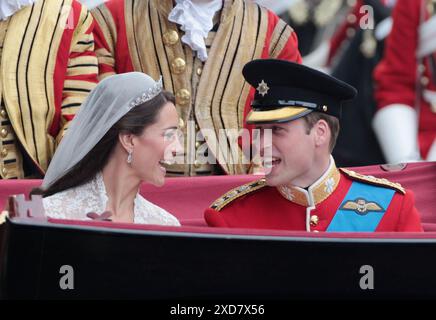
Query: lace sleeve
149	213
73	204
53	207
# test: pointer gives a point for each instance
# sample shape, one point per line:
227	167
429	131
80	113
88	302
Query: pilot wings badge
361	206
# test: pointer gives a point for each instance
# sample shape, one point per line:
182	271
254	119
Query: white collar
320	190
90	4
9	7
195	18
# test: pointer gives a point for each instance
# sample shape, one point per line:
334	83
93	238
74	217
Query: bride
122	134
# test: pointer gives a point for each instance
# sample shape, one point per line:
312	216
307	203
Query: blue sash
362	208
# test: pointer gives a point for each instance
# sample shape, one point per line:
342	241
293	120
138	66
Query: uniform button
421	68
197	164
183	97
4	153
197	144
181	123
4	133
4	171
199	71
178	65
351	18
325	108
3	113
424	81
351	32
314	221
171	37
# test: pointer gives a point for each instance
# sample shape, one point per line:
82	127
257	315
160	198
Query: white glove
396	128
317	59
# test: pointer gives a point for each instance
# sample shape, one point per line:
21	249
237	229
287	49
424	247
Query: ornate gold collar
317	192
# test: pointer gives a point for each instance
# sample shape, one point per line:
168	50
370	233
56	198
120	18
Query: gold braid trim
106	22
236	193
240	38
28	88
373	180
280	37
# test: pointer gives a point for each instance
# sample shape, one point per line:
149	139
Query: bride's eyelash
168	134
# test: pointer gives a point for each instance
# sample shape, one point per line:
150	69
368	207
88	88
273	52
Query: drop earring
129	157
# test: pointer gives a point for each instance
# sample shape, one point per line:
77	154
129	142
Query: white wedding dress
75	203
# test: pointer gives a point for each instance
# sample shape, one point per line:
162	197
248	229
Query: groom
304	190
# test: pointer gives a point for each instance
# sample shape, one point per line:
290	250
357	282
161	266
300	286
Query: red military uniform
138	36
348	27
340	201
401	73
47	69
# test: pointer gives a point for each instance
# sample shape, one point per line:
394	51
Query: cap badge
262	88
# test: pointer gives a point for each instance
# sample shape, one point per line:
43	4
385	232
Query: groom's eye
276	129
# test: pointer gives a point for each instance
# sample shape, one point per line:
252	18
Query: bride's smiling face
155	145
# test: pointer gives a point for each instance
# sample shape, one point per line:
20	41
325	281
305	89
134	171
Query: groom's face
289	154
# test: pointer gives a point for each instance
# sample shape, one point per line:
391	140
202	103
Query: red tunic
396	75
48	67
266	208
347	29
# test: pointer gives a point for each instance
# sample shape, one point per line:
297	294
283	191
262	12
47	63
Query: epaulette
373	180
237	193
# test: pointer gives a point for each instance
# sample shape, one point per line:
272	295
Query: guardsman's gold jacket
47	68
136	35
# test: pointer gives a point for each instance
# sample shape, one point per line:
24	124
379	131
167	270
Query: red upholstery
187	198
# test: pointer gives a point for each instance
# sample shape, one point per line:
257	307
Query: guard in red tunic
47	69
405	79
296	109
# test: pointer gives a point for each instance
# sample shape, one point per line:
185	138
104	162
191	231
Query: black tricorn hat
286	91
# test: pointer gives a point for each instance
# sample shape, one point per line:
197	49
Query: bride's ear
126	141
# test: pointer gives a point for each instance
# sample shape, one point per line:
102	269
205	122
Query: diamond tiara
148	95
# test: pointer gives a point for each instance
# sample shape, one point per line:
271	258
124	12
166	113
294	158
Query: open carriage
47	258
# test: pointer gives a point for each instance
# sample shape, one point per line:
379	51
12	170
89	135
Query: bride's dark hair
134	122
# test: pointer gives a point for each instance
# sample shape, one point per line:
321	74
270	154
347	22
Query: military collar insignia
361	206
263	88
317	192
